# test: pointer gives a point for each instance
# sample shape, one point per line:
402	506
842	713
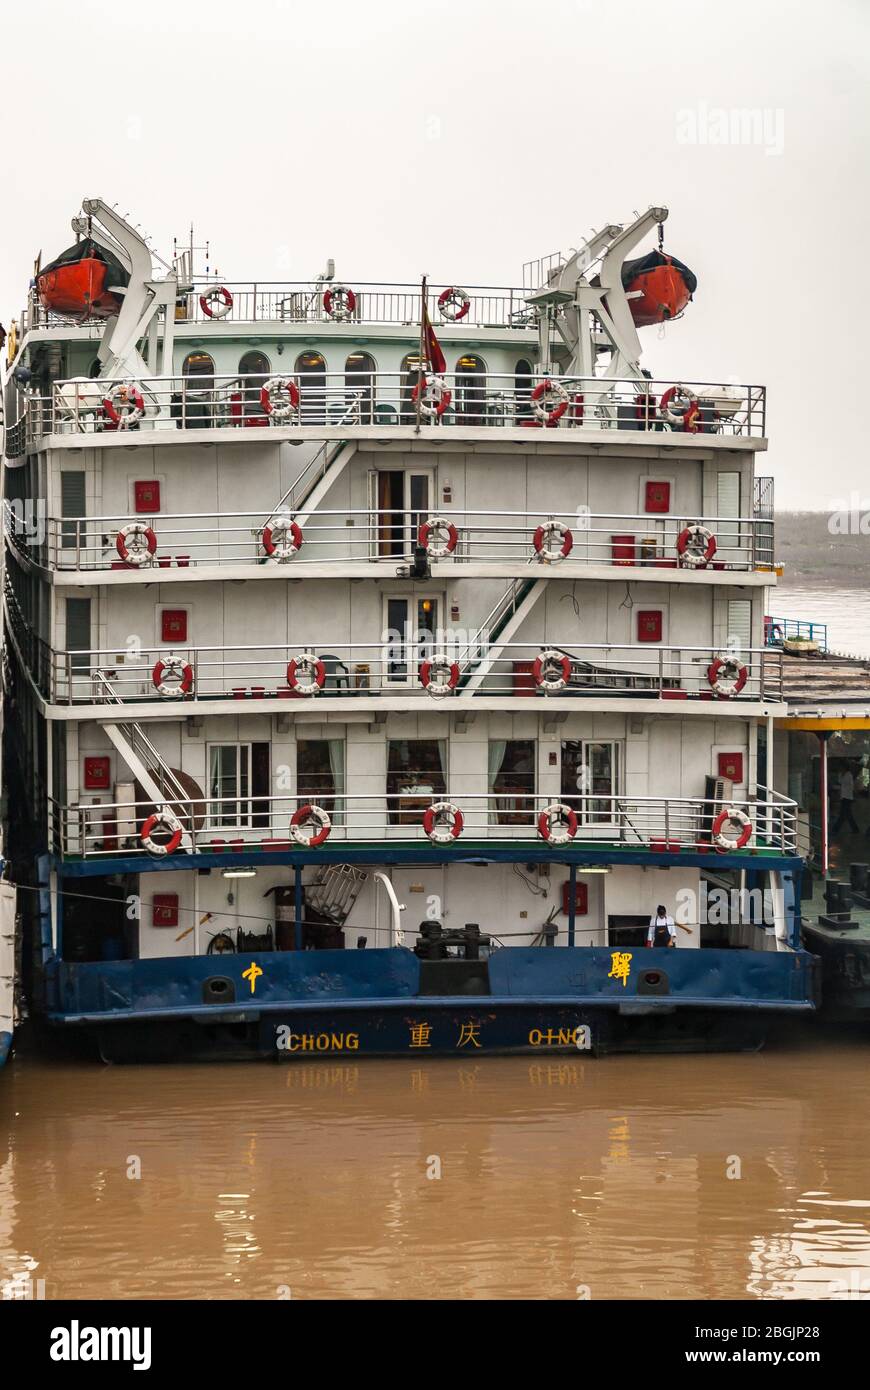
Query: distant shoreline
812	553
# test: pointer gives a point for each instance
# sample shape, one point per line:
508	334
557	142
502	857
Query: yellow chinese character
253	974
469	1033
420	1034
621	966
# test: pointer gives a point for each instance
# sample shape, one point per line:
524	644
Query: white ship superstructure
302	659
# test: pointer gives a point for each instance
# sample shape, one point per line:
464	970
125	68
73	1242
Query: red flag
435	357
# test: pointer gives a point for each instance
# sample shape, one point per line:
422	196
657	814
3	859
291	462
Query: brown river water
559	1178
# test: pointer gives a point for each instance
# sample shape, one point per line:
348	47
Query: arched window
359	379
410	375
523	377
311	367
196	401
254	371
470	389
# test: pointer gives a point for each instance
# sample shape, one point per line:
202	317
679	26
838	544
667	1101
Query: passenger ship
383	657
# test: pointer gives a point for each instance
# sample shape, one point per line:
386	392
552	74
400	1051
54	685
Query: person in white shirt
662	931
847	800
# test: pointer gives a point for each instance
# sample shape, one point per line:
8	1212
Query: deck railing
276	302
437	666
667	825
337	537
381	400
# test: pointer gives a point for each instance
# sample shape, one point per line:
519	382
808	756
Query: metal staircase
154	775
498	628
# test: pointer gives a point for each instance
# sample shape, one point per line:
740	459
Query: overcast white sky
463	137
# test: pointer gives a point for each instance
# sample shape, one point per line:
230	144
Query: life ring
173	677
545	393
696	546
167	821
339	302
453	304
304	816
433	395
286	397
551	670
124	406
553	541
306	661
439	675
282	538
438	537
216	302
685	419
435	819
734	815
557	824
727	676
135	543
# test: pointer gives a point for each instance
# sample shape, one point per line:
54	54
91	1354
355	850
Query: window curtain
497	750
442	759
336	765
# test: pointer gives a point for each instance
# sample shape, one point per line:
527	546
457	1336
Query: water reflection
728	1177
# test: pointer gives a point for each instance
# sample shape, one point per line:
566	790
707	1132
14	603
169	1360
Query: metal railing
779	630
301	301
384	399
336	537
239	823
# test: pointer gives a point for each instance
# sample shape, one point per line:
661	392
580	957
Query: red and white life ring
453	304
438	537
339	302
553	541
443	822
686	416
727	676
551	670
433	394
173	677
550	400
282	538
123	406
165	820
557	824
439	675
279	397
136	543
310	815
306	673
216	302
696	546
734	816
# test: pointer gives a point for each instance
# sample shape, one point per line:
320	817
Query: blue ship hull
297	1005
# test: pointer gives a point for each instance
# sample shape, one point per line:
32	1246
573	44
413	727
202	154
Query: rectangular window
590	779
412	635
512	781
72	503
78	633
320	772
416	772
238	779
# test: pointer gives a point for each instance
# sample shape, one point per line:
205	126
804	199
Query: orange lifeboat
81	281
664	284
